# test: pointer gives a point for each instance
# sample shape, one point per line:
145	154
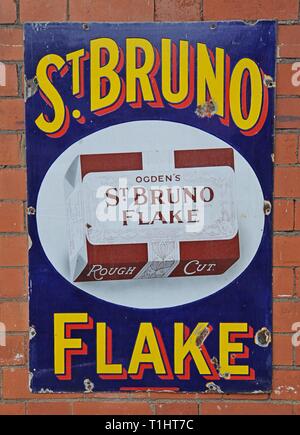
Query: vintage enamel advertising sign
149	153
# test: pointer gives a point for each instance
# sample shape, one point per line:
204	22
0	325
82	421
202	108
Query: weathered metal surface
173	96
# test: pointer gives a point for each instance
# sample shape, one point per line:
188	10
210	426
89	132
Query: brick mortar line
294	233
201	10
12	97
130	398
12	201
68	10
294	268
282	96
286	165
13	234
153	11
294	229
286	60
12	401
14	24
23	366
133	399
20	299
280	130
288	231
3	131
198	401
199	409
152	407
25	217
12	167
20	77
23	333
17	11
23	267
13	366
291	299
290	367
288	198
284	267
149	400
288	22
137	400
18	25
11	62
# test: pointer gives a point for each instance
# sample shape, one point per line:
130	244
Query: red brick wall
14	395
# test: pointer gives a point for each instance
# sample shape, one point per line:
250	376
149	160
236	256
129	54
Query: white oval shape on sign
141	136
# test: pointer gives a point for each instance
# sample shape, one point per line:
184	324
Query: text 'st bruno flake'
150	205
182	222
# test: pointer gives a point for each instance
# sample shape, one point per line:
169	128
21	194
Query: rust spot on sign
224	375
206	110
88	386
211	387
31	211
202	336
267	208
32	332
269	82
31	87
263	337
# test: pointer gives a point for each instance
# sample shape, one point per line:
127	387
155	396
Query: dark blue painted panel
246	299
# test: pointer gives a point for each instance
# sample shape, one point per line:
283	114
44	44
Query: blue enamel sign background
149	302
